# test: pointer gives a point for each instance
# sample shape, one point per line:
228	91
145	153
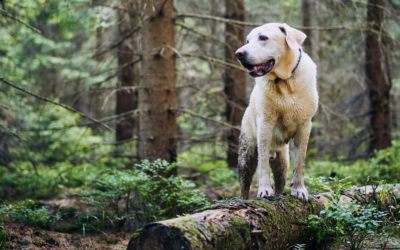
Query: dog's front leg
300	148
264	136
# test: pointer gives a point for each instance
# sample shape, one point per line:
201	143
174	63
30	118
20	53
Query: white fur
280	111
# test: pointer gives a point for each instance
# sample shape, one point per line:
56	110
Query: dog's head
273	48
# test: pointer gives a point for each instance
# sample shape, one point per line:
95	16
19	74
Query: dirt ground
22	237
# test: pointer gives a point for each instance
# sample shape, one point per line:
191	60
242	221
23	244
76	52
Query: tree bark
234	79
126	99
275	223
157	95
306	12
378	81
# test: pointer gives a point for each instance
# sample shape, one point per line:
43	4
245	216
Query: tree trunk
234	79
126	99
157	95
276	223
306	12
308	48
378	81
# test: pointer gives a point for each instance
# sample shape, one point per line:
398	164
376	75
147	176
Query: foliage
3	236
384	165
351	224
55	159
28	214
148	195
346	224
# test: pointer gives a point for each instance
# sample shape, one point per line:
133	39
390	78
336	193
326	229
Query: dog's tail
247	164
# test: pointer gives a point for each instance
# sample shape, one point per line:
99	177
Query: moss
49	239
211	226
214	206
213	237
37	243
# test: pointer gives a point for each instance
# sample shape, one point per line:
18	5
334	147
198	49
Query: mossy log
274	223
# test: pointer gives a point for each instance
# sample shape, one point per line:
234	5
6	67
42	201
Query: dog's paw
300	193
265	191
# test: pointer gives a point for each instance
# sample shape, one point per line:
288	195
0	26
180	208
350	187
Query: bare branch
55	103
206	36
6	14
330	111
9	130
133	31
214	60
4	106
208	118
225	20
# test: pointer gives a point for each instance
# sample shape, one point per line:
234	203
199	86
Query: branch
6	14
208	118
9	130
4	106
328	110
205	36
55	103
214	60
133	31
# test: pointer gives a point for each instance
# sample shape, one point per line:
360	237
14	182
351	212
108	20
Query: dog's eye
247	41
263	38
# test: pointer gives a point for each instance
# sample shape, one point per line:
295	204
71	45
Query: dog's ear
294	38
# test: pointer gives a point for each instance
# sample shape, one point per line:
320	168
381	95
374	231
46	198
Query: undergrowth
141	195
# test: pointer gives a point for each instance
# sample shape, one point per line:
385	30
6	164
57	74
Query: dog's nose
240	53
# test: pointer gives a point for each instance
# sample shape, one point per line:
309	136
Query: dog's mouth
260	69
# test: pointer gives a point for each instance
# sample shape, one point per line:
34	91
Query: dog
282	104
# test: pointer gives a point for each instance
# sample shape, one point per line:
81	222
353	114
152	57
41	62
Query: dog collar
277	80
298	62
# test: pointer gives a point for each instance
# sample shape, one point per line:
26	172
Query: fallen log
275	223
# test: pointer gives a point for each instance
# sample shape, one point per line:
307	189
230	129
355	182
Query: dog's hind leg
247	163
279	166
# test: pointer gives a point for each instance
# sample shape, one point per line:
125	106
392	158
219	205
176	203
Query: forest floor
24	238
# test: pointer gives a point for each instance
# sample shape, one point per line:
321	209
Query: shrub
146	195
28	214
385	165
3	236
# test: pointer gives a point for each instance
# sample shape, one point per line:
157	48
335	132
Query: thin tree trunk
308	48
378	81
234	79
276	223
306	12
157	95
126	99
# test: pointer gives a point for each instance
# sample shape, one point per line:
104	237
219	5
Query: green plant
28	214
349	225
384	165
3	236
146	195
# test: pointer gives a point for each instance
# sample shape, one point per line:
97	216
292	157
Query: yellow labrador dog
282	104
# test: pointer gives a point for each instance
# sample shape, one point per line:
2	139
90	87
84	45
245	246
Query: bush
3	236
385	165
146	195
348	225
28	214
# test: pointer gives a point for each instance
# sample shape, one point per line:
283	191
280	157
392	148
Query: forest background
88	89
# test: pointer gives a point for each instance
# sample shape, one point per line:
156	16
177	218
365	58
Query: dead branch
208	118
330	111
55	103
206	36
11	132
6	14
213	60
4	106
225	20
